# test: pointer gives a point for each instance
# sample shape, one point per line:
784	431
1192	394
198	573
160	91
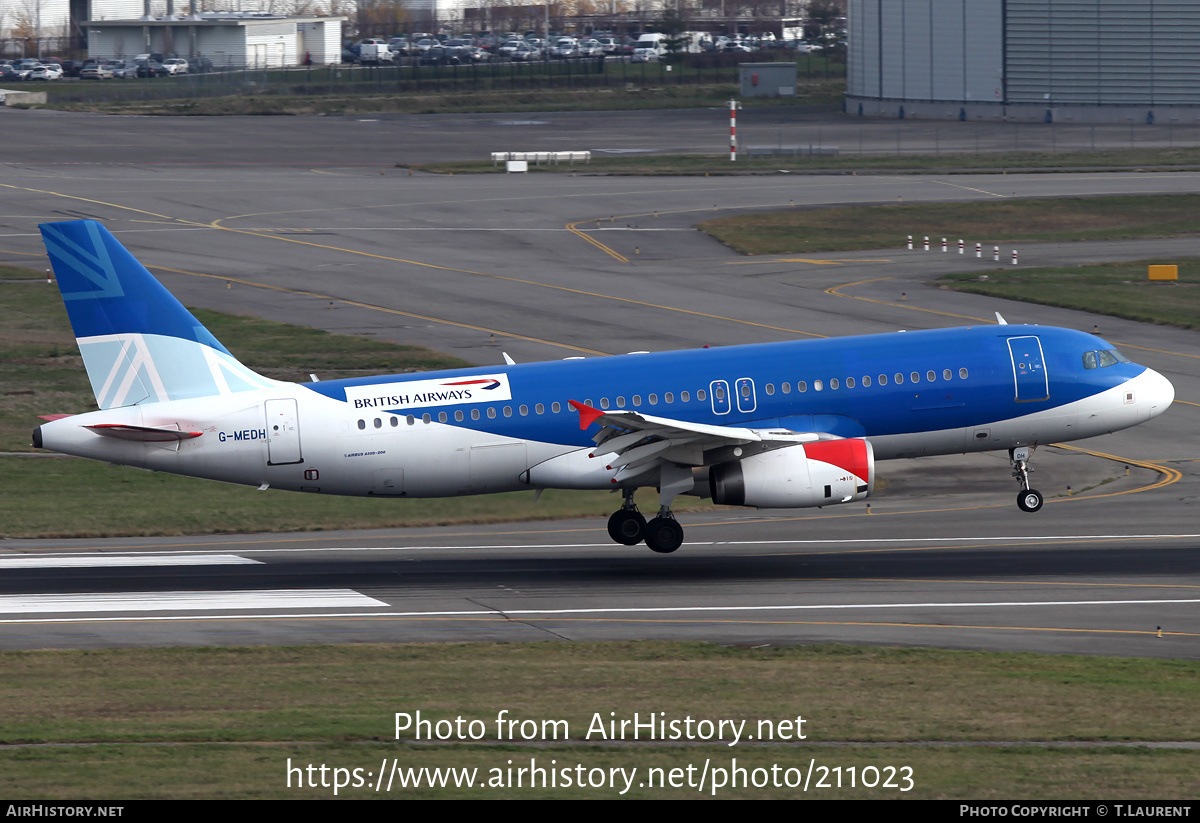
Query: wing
641	442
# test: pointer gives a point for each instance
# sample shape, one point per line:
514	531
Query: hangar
1085	61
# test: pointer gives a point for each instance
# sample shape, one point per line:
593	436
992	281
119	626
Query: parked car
509	48
440	56
123	71
644	55
45	72
97	71
150	68
176	65
526	53
565	47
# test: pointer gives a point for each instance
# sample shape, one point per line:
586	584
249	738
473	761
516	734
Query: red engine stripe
849	454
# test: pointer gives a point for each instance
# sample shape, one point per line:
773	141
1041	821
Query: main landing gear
1028	500
628	527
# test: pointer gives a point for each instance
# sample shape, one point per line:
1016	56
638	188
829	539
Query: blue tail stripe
107	291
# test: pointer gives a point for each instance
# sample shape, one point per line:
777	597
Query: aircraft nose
1154	391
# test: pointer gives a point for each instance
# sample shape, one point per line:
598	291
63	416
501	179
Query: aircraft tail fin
139	344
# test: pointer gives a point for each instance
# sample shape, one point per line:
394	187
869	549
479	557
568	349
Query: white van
652	40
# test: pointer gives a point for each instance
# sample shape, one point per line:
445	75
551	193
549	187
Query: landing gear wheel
1029	500
663	535
626	526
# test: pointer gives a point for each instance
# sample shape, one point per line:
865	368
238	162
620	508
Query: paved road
307	220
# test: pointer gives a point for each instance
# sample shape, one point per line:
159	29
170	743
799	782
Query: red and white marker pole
732	130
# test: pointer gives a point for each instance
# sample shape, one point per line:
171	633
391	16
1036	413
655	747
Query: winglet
1000	320
587	414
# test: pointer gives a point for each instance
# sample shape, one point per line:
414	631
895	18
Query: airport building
1025	60
254	33
222	39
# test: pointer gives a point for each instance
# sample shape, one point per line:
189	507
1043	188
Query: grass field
881	227
1117	289
223	722
949	162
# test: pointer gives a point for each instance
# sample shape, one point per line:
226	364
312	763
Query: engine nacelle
812	474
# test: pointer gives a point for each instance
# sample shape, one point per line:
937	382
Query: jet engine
811	474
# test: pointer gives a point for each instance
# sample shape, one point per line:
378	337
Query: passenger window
684	396
412	421
555	407
802	387
787	388
866	381
770	388
653	400
883	379
442	417
540	408
947	374
701	394
849	382
833	384
669	397
362	424
818	385
425	418
719	391
637	400
931	376
491	412
915	377
899	378
962	373
603	403
458	416
620	402
508	411
474	414
524	410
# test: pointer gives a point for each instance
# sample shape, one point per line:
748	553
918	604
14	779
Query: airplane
769	425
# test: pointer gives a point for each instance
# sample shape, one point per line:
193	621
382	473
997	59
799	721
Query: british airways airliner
772	425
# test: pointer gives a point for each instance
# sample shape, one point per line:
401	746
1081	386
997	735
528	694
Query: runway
546	267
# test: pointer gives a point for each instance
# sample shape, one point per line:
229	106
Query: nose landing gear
1028	500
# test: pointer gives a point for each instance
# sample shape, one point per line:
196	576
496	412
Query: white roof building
233	39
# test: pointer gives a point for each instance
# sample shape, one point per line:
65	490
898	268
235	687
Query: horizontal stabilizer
144	434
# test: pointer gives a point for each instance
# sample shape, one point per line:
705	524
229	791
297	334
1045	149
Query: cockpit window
1103	359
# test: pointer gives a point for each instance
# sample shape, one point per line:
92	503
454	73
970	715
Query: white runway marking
178	601
96	561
